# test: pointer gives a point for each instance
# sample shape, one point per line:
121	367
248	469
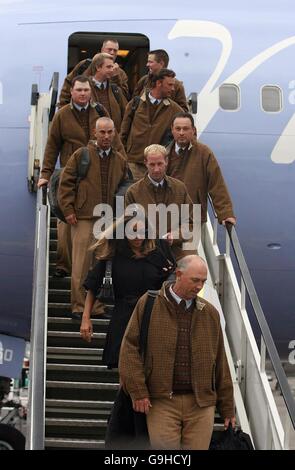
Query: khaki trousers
82	239
64	247
138	170
179	423
82	260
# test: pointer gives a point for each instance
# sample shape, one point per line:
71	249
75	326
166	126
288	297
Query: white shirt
177	147
78	107
153	100
156	183
179	299
101	152
98	84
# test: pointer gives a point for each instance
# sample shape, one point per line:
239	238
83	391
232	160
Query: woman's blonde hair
105	246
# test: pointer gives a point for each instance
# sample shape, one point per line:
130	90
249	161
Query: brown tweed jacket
82	201
138	130
66	135
178	95
143	192
211	380
200	172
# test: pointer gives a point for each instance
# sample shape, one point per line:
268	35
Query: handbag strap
144	327
108	273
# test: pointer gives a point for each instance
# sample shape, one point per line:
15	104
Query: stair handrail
36	408
269	344
263	325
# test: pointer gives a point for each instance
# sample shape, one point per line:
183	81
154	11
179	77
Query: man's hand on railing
42	182
71	219
231	220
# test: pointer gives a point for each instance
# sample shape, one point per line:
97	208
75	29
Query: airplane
239	61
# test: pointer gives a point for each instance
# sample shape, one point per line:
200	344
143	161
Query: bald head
105	132
191	274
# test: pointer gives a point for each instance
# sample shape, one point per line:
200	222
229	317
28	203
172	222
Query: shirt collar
179	299
78	107
98	83
177	147
101	151
156	183
152	99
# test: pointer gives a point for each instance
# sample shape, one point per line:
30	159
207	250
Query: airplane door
132	55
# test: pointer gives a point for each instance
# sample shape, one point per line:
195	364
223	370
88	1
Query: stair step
82	428
74	355
73	339
53	222
77	413
53	244
52	256
60	282
53	233
58	309
59	295
69	324
72	351
81	373
93	404
52	443
61	390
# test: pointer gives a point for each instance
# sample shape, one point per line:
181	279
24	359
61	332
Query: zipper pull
170	395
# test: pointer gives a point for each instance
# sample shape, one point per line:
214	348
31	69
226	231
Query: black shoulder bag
106	293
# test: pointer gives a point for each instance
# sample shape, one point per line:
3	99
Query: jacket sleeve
65	94
185	221
129	197
223	382
218	190
53	147
180	97
122	81
131	367
67	185
126	124
139	86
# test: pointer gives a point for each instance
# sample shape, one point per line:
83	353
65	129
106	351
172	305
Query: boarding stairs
71	392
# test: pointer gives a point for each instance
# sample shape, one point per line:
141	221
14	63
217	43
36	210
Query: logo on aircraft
208	98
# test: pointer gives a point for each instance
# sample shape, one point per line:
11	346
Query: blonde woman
138	264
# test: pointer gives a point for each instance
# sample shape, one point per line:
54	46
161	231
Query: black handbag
106	292
127	429
231	439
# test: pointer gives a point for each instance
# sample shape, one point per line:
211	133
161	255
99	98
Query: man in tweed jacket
185	373
194	163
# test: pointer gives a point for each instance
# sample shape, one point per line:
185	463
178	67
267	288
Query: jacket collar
173	143
149	183
198	303
144	98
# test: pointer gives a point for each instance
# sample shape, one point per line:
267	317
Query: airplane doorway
132	54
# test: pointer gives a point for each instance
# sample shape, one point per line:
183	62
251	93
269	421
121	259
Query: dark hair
80	78
183	114
161	75
161	56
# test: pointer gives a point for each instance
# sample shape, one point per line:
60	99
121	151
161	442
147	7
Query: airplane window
271	98
229	97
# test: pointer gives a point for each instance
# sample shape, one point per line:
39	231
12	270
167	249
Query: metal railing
267	342
36	408
42	112
266	424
